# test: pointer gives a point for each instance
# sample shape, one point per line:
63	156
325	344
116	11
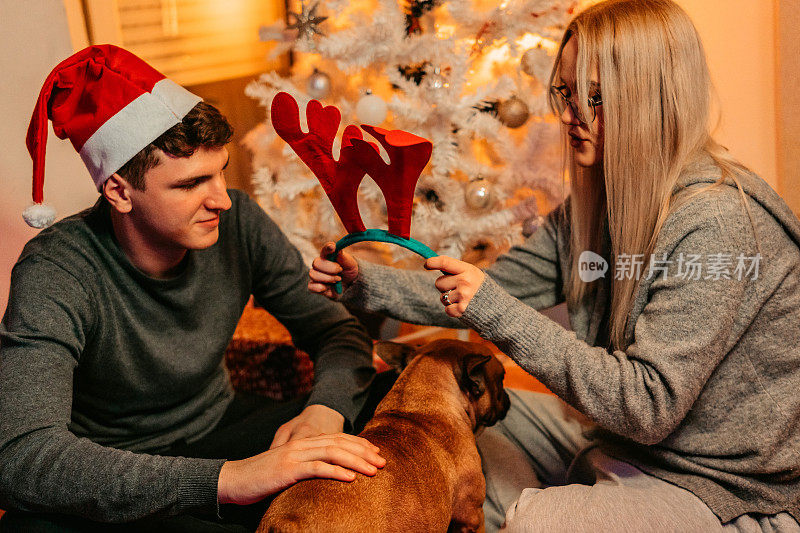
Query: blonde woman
678	405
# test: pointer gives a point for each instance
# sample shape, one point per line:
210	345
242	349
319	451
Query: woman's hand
325	273
337	457
314	420
459	283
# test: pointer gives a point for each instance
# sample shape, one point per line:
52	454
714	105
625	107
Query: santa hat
110	104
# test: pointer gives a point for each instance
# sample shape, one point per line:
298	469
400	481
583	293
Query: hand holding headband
408	155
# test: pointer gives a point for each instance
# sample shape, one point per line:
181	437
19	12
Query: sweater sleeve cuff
198	483
490	310
533	341
342	405
356	295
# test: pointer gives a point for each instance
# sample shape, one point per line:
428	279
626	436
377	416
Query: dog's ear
473	378
395	354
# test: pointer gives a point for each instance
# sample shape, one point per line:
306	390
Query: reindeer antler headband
340	179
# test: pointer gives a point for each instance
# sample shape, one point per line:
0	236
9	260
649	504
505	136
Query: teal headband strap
380	236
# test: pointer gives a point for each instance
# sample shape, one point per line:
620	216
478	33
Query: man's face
182	200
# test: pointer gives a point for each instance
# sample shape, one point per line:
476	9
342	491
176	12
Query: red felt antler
408	154
340	179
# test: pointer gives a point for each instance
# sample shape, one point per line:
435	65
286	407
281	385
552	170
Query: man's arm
338	344
43	466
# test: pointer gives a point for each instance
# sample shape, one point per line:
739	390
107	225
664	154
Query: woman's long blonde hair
656	93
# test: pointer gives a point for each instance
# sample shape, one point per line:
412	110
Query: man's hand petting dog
325	273
314	420
337	456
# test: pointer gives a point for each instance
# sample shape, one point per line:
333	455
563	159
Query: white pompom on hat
110	104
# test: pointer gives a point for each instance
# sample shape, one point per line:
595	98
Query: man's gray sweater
706	394
102	366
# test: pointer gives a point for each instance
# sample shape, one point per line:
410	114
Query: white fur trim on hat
134	127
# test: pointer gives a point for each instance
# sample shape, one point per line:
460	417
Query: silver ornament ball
513	112
318	85
371	109
535	61
478	194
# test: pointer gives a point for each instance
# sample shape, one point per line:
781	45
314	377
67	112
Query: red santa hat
110	104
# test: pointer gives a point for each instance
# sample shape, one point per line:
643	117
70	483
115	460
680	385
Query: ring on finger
446	298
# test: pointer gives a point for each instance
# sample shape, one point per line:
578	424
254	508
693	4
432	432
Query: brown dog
425	428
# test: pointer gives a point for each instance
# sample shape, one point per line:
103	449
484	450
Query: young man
115	405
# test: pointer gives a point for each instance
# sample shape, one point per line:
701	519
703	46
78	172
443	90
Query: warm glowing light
498	54
483	68
530	40
445	31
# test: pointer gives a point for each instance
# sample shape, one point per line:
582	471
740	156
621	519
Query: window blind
198	41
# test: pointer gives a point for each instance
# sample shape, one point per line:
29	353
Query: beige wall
33	39
788	93
739	37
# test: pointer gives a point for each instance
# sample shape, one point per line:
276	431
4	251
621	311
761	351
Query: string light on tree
436	80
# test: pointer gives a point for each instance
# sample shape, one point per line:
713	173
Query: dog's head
478	373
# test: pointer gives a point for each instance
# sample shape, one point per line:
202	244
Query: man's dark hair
204	126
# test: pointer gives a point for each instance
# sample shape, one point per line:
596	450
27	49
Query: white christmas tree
469	75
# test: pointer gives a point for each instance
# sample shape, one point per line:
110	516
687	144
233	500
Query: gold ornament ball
478	194
513	112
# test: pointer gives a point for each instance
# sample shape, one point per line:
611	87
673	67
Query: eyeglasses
564	98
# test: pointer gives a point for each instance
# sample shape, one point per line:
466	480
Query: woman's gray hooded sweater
707	393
